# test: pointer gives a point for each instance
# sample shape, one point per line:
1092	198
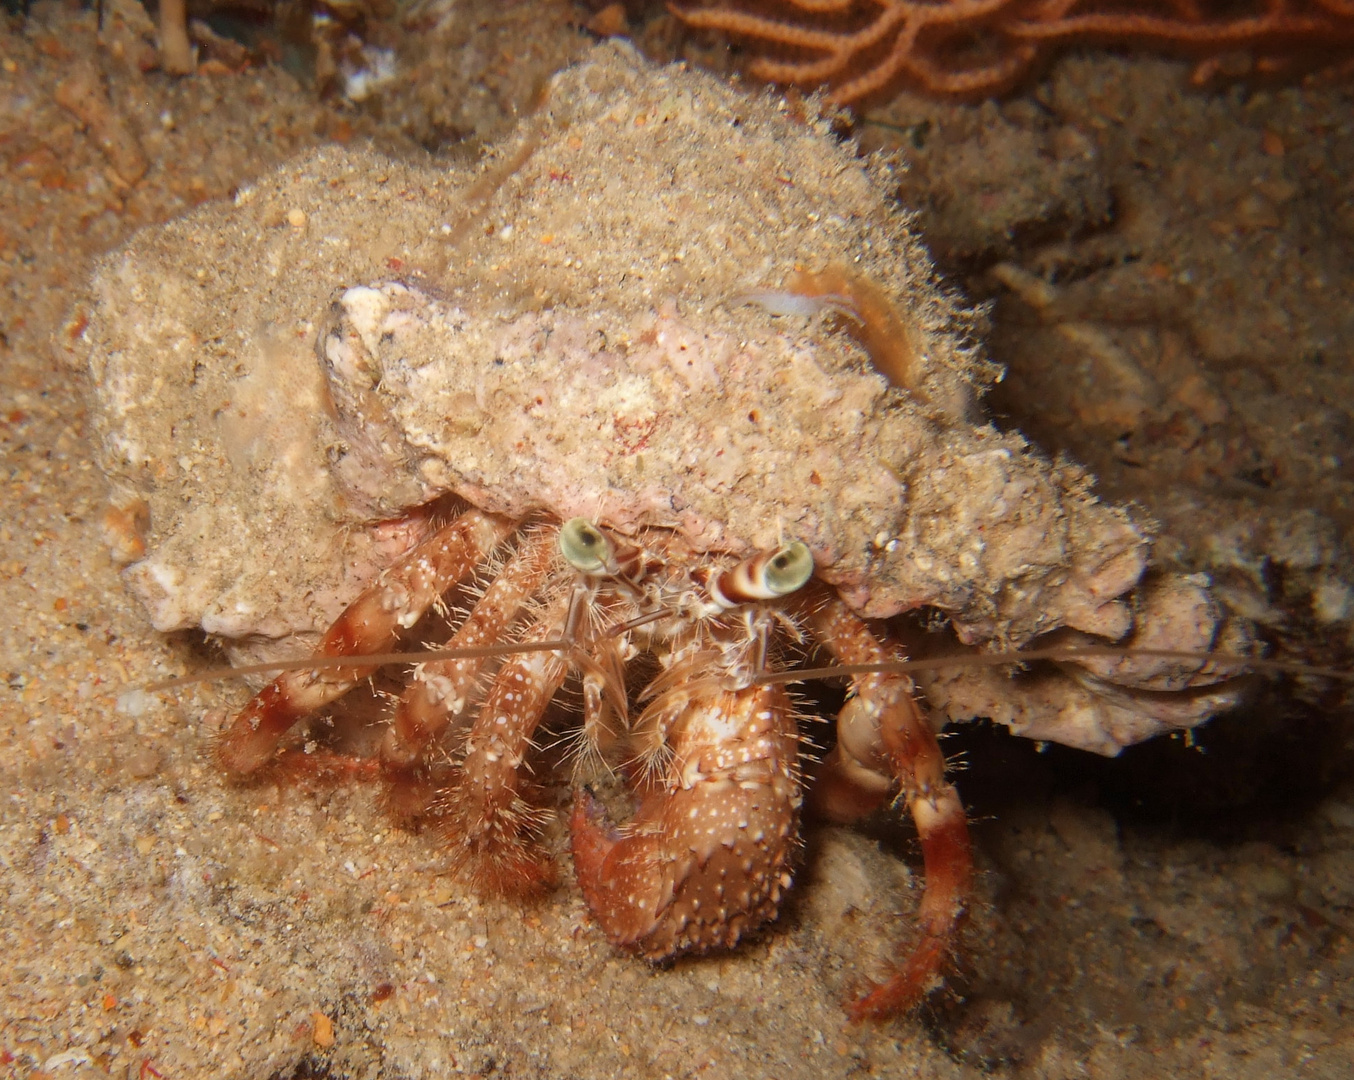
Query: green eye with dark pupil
584	546
789	569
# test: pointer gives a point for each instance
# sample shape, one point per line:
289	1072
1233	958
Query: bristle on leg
441	691
943	828
489	826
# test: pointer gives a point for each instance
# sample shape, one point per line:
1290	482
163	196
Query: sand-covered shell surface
607	317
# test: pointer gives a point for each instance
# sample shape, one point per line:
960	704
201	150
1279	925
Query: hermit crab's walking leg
488	823
882	721
440	691
709	851
398	599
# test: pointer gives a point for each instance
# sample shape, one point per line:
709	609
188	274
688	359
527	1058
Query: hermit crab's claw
885	744
708	855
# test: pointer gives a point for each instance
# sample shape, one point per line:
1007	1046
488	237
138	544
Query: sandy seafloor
1185	910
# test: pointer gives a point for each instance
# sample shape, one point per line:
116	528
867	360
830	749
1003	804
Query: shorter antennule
767	576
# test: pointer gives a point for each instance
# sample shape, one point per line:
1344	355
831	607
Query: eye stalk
767	576
586	548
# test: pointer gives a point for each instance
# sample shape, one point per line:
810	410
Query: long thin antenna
358	660
930	663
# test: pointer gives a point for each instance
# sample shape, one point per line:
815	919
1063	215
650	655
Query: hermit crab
664	396
711	848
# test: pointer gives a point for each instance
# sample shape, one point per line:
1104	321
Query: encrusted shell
564	329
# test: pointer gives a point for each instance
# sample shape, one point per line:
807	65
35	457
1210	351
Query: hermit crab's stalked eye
767	576
788	569
586	548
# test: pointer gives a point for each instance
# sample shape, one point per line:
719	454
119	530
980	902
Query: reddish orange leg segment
487	820
440	691
881	724
397	600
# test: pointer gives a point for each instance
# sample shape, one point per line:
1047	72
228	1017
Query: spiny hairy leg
440	691
488	824
881	723
370	624
709	852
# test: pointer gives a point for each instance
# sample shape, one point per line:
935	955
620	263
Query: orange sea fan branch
968	48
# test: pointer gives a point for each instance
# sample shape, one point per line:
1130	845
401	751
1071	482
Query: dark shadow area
1270	761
